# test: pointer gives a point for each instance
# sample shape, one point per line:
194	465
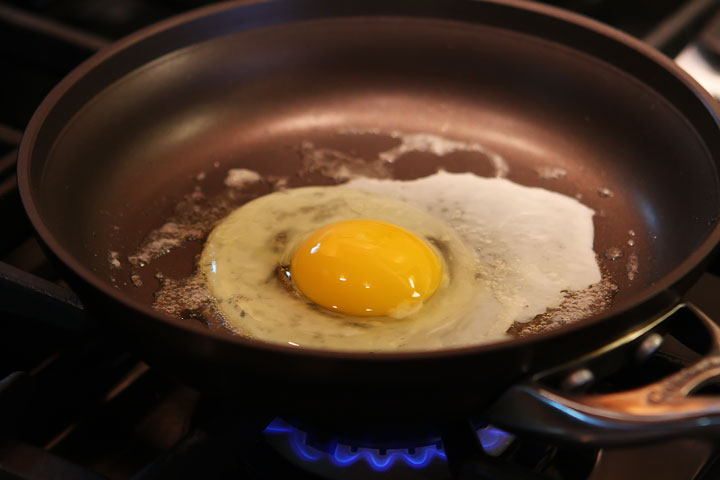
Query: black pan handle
660	410
29	296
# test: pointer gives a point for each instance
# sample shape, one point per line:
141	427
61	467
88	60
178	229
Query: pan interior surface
253	99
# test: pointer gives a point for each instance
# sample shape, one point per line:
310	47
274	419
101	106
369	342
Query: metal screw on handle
578	381
649	346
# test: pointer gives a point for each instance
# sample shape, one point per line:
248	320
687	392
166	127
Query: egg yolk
366	268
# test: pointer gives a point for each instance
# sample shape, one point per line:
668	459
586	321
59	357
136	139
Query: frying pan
119	142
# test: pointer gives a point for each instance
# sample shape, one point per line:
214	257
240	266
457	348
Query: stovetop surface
76	404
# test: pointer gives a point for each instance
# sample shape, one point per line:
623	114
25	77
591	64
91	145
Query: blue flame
493	441
344	457
278	426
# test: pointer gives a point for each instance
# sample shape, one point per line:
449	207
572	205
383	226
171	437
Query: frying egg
366	268
383	265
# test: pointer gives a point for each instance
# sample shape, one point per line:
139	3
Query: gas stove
74	403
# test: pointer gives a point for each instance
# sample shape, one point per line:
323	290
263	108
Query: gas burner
490	451
340	460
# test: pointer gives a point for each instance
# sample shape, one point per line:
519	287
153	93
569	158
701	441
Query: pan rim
26	150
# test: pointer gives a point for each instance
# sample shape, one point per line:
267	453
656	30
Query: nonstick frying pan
123	138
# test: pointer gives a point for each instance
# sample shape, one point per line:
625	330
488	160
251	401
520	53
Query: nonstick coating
116	146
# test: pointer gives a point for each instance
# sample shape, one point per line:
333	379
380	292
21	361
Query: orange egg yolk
366	268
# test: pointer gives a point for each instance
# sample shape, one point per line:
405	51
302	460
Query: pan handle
29	296
663	409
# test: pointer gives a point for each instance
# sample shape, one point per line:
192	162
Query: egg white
242	255
533	245
510	253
